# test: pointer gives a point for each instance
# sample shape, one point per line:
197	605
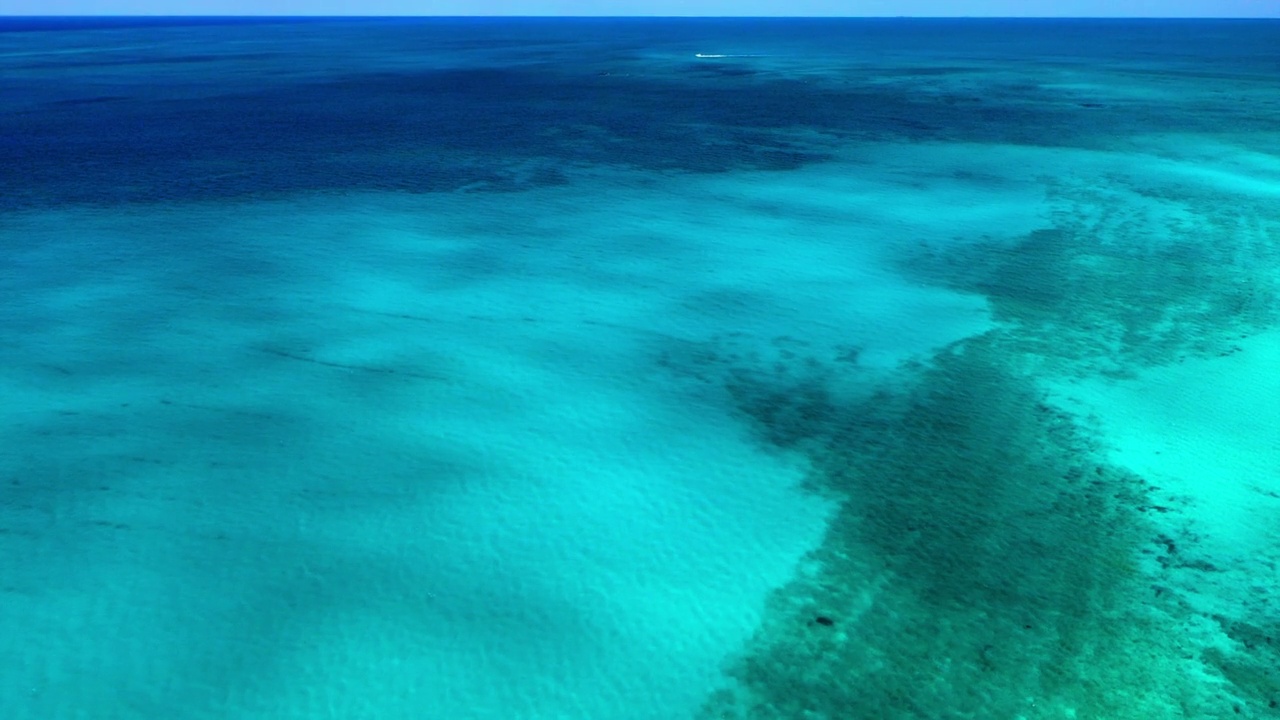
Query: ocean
639	369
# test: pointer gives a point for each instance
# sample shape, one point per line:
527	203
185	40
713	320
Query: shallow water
545	369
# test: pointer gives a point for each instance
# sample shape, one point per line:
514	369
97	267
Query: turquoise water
545	369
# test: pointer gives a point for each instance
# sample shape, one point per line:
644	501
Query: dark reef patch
983	552
987	558
1116	285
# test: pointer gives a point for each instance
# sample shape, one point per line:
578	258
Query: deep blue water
141	110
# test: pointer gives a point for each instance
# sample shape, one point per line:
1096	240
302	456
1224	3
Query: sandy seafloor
961	424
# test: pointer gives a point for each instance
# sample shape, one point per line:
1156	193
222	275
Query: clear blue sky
1006	8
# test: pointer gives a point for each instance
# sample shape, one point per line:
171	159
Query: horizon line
649	17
